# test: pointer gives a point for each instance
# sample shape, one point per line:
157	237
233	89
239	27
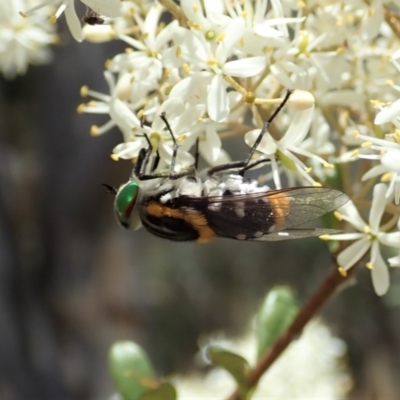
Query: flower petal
267	144
390	239
350	255
391	160
380	272
350	214
73	23
109	8
217	99
388	113
394	261
377	207
245	67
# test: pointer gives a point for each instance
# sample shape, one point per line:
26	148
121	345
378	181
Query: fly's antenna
110	189
175	145
267	124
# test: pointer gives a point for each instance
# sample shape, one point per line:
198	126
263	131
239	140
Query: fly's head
126	205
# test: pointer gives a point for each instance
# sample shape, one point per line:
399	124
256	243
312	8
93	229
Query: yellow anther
114	157
186	68
94	130
178	51
304	40
220	37
356	134
387	177
342	272
366	144
369	265
53	19
329	166
268	49
338	215
355	153
367	229
389	82
316	184
181	138
84	91
194	26
324	237
81	109
308	170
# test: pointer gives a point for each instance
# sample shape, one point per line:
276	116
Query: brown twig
328	287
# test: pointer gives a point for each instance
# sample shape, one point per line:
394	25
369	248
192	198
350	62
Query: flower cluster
23	41
287	378
219	68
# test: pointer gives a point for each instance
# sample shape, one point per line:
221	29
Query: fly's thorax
232	184
126	205
190	185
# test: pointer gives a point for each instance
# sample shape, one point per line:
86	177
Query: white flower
23	42
181	121
285	149
119	111
148	51
387	153
287	378
369	237
210	62
109	8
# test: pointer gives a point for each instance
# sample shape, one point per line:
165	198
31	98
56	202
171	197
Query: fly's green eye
125	201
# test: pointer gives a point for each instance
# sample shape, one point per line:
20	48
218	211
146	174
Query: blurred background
73	282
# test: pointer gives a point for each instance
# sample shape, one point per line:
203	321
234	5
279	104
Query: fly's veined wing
258	215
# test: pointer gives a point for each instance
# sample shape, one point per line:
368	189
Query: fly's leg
247	164
172	174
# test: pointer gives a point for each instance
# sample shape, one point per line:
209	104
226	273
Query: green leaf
165	391
130	369
236	365
275	315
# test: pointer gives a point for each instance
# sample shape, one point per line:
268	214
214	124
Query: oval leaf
165	391
236	365
131	370
276	314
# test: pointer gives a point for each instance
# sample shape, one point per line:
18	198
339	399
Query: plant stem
327	289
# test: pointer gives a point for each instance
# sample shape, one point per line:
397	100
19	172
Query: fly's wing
269	215
295	233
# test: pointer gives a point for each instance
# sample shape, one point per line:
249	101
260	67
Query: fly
92	17
186	207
